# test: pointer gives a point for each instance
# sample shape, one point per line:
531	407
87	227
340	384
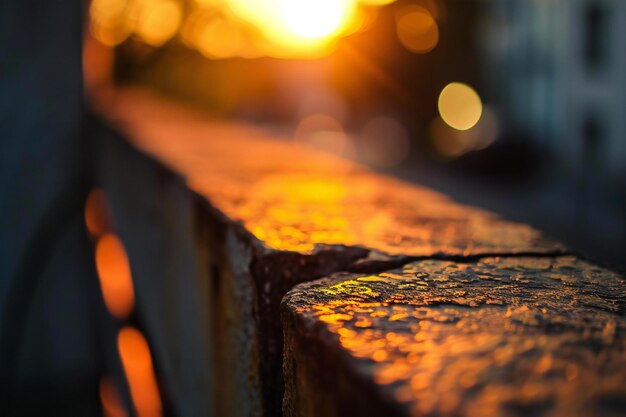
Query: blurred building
556	69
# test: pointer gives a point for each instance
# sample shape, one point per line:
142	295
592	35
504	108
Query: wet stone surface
294	198
300	212
500	337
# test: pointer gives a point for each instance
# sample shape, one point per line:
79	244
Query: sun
316	19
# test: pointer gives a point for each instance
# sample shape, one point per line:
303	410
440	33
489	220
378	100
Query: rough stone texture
234	360
499	337
294	198
278	214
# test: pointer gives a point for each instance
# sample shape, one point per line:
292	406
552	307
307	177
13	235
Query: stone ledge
292	198
497	337
272	213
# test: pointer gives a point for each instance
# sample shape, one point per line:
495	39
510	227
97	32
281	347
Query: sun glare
296	26
231	28
315	19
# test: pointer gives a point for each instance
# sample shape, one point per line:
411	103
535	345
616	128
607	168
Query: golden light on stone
438	329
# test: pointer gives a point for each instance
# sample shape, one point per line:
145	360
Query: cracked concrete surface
498	337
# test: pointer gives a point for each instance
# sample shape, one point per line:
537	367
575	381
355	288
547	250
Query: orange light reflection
110	399
137	362
115	276
97	216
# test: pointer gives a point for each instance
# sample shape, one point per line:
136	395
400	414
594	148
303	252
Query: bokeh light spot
115	276
449	142
486	130
107	23
110	399
384	142
460	106
322	132
97	217
137	361
219	38
417	29
158	21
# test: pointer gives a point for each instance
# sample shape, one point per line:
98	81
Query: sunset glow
300	27
316	19
232	28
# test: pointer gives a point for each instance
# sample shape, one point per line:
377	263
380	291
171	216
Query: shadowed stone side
153	214
499	337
